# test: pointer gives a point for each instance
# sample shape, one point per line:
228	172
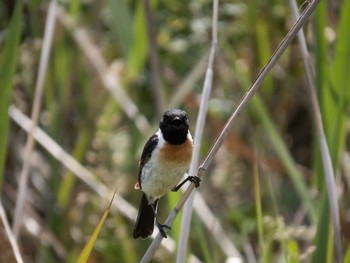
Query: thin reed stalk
220	139
10	236
39	88
326	157
203	108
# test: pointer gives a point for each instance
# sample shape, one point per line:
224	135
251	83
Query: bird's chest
165	168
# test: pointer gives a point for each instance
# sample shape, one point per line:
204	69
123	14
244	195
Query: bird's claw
161	230
195	179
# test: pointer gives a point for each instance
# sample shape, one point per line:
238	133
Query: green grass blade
66	185
321	79
293	252
264	52
139	49
121	23
340	80
263	38
322	238
321	67
341	64
7	72
172	200
85	253
347	255
285	156
204	244
74	8
258	209
332	83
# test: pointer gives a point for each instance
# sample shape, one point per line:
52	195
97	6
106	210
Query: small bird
164	160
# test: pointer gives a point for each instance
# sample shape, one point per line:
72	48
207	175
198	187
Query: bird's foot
161	229
195	179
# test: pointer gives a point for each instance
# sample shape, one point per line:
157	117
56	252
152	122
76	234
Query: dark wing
146	154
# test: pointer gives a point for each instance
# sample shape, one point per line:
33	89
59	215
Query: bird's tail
145	219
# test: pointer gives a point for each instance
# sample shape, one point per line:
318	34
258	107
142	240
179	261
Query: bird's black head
174	126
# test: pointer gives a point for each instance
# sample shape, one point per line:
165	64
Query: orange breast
177	153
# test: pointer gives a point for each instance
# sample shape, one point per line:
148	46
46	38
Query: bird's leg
159	225
194	179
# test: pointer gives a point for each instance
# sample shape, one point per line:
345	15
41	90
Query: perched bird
164	160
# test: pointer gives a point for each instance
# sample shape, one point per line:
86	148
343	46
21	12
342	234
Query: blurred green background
273	141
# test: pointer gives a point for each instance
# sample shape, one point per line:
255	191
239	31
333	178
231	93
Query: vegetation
112	71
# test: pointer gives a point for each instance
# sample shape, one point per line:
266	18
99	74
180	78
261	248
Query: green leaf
7	72
66	186
322	238
333	89
347	255
85	253
285	156
74	8
341	64
121	24
139	49
204	244
258	210
340	80
293	252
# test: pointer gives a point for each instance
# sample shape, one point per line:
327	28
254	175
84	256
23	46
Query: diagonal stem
258	81
244	102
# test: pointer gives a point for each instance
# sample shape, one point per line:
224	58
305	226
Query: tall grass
8	63
333	93
265	185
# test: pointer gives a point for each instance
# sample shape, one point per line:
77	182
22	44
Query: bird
164	160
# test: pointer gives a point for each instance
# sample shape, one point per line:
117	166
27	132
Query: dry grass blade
6	254
219	141
70	163
39	87
327	162
36	226
109	79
